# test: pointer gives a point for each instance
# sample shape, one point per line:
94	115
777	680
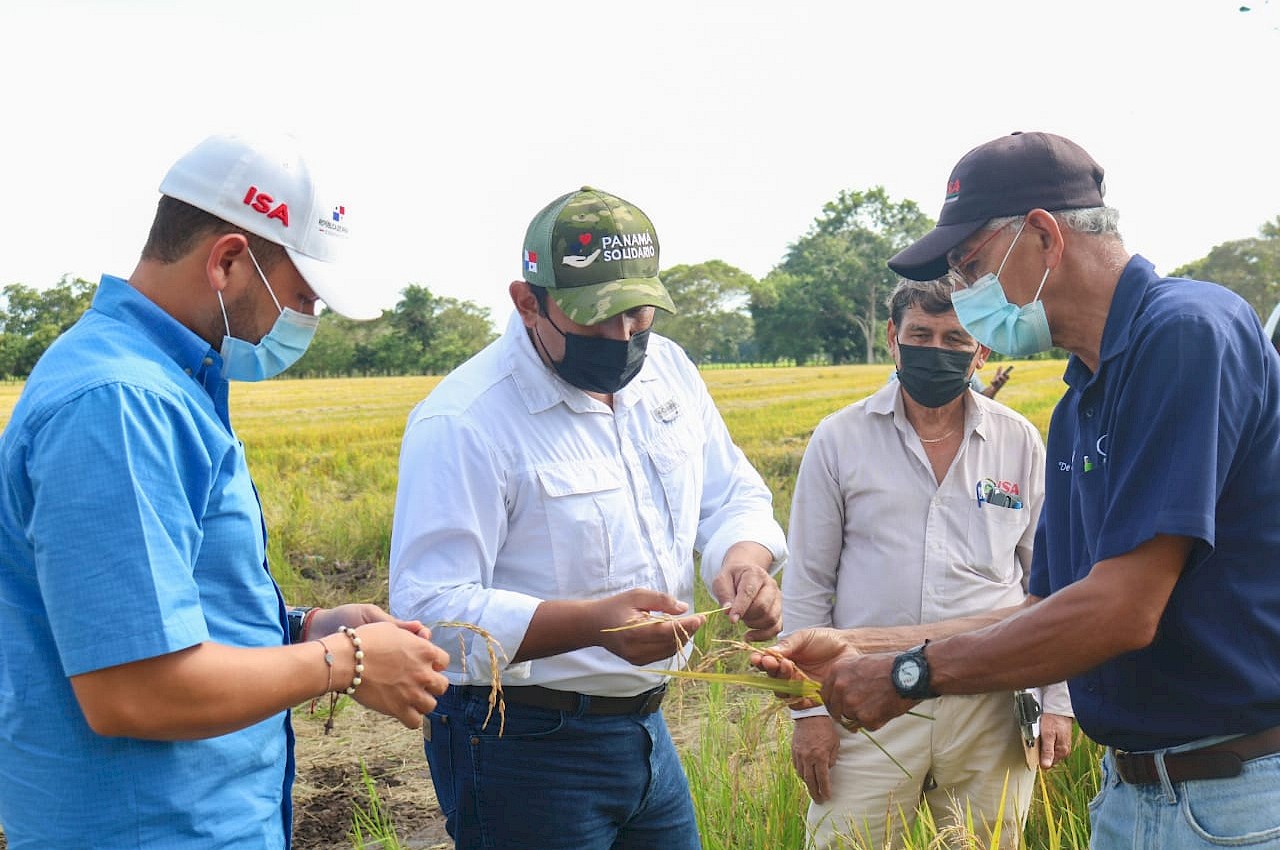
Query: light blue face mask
1007	328
278	350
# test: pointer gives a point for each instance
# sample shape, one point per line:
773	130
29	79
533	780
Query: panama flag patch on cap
530	261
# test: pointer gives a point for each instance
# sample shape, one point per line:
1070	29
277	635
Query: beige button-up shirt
875	540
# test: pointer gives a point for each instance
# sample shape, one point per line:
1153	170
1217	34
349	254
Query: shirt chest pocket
992	538
585	511
676	455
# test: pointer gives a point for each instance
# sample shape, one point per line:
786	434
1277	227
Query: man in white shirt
554	486
914	505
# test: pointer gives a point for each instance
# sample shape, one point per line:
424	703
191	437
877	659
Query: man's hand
401	676
1055	739
860	693
326	621
744	584
856	688
999	380
643	644
810	651
815	743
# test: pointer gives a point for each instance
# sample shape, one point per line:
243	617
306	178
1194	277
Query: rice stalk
804	691
650	617
493	647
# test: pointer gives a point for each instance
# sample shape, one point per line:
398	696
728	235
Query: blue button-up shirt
129	529
1177	433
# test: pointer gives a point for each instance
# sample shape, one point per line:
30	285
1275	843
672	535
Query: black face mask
933	376
599	365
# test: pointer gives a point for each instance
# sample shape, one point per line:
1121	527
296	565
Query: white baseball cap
266	186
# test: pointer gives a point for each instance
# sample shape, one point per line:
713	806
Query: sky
729	123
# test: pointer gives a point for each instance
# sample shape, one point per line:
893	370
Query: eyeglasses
955	274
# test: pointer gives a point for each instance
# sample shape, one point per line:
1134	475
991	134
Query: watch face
908	674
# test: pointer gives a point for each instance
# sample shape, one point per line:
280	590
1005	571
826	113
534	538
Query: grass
324	456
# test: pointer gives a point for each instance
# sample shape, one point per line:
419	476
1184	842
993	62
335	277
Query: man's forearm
869	639
207	690
1115	609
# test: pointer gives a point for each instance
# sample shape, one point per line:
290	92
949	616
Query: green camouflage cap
596	254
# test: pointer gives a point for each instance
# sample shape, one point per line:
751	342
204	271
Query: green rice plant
745	792
371	825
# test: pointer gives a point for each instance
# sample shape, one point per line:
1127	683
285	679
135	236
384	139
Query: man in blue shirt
1153	583
148	660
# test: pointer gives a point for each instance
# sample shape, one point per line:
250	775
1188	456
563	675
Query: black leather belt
550	699
1220	761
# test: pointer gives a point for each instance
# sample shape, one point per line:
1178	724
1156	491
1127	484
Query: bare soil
329	786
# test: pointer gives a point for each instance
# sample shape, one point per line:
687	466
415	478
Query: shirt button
1088	413
208	361
188	371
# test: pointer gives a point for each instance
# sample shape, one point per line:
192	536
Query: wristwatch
910	674
297	618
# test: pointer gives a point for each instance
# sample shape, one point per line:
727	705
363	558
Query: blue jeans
1239	811
557	779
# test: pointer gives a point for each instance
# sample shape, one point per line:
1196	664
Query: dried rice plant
494	649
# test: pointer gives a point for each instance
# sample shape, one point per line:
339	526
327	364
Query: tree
1249	267
834	278
424	334
32	319
711	323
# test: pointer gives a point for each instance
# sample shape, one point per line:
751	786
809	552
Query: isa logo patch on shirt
530	261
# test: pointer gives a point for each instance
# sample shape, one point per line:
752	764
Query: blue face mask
1007	328
278	350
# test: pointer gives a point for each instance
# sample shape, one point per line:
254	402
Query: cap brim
926	259
333	288
590	305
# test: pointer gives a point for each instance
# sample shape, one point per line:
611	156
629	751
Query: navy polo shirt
1177	433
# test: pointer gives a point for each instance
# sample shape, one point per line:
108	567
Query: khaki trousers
966	757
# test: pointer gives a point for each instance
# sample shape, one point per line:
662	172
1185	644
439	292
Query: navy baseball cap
1010	175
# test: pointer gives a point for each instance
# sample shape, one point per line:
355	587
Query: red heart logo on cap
584	238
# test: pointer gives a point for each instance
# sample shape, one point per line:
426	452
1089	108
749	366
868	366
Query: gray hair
1099	221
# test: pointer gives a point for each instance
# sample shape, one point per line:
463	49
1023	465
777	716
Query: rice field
324	455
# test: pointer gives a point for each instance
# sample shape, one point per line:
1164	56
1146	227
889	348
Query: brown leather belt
550	699
1219	761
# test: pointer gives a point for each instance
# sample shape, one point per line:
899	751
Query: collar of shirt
542	389
1131	290
121	301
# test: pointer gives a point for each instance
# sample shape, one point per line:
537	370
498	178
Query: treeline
823	303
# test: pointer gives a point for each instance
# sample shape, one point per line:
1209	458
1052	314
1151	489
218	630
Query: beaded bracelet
355	644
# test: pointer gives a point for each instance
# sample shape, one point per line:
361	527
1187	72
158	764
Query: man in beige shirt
914	505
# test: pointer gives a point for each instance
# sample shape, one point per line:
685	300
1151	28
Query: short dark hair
932	296
178	226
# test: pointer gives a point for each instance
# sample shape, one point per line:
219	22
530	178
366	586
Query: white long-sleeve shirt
516	487
876	541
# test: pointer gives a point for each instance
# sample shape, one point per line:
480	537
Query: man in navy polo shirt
1153	585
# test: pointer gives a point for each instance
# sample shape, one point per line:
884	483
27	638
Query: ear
891	339
1048	234
983	354
526	305
223	255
